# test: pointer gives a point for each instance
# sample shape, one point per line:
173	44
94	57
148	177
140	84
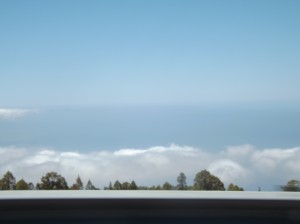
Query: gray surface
68	194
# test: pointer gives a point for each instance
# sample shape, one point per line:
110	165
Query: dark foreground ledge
149	207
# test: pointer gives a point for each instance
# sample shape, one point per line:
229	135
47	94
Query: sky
148	52
86	78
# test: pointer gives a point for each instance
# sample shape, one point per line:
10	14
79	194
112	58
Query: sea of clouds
244	165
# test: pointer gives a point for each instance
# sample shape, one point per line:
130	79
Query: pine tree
181	182
117	185
8	182
90	186
22	185
30	186
133	186
78	185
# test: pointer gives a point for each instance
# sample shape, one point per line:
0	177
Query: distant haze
113	128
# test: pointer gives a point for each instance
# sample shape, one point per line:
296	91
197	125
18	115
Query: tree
292	185
22	185
117	185
8	182
167	186
38	186
125	186
30	186
181	182
90	186
78	185
110	187
206	181
133	186
232	187
52	181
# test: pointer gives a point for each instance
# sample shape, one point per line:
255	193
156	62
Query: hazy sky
148	52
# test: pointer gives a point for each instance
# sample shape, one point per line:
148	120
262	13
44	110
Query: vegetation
22	185
232	187
122	186
292	185
78	185
181	182
90	186
167	186
54	181
206	181
8	182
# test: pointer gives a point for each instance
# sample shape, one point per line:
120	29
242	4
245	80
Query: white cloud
243	165
228	171
6	113
239	151
42	157
275	160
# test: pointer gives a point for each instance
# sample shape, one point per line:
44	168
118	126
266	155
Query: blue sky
130	86
148	52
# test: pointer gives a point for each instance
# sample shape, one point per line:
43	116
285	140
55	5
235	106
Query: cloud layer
14	113
243	165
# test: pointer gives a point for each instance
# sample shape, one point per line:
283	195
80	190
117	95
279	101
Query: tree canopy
206	181
22	185
292	185
232	187
167	186
52	181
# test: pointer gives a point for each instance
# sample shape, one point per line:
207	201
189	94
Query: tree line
51	181
203	180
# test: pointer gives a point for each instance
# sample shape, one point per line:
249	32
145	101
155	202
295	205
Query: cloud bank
14	113
244	165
